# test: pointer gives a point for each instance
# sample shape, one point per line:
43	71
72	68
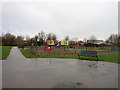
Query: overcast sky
75	19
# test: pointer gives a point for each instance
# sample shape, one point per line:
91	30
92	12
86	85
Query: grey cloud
77	19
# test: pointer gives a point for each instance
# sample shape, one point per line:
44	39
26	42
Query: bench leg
79	56
97	58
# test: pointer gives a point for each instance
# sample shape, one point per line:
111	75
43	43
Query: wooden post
64	47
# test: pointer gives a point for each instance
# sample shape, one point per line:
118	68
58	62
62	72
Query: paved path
19	72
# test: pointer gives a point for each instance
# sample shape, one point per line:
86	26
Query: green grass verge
108	57
4	52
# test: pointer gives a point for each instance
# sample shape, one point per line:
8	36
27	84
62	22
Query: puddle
93	65
69	85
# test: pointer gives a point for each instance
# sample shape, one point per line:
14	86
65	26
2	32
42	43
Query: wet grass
4	52
108	57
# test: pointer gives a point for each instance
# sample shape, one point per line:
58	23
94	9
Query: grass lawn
4	52
108	57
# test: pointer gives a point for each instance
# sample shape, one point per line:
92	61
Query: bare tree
74	39
118	41
85	40
28	40
36	40
112	38
54	37
92	37
41	35
20	41
8	39
41	38
51	36
67	38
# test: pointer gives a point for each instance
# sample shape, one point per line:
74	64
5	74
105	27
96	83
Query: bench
88	53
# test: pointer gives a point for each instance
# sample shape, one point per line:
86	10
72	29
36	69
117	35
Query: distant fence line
39	50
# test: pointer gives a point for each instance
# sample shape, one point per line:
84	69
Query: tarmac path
21	72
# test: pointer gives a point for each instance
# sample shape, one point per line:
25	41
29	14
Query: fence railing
39	50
